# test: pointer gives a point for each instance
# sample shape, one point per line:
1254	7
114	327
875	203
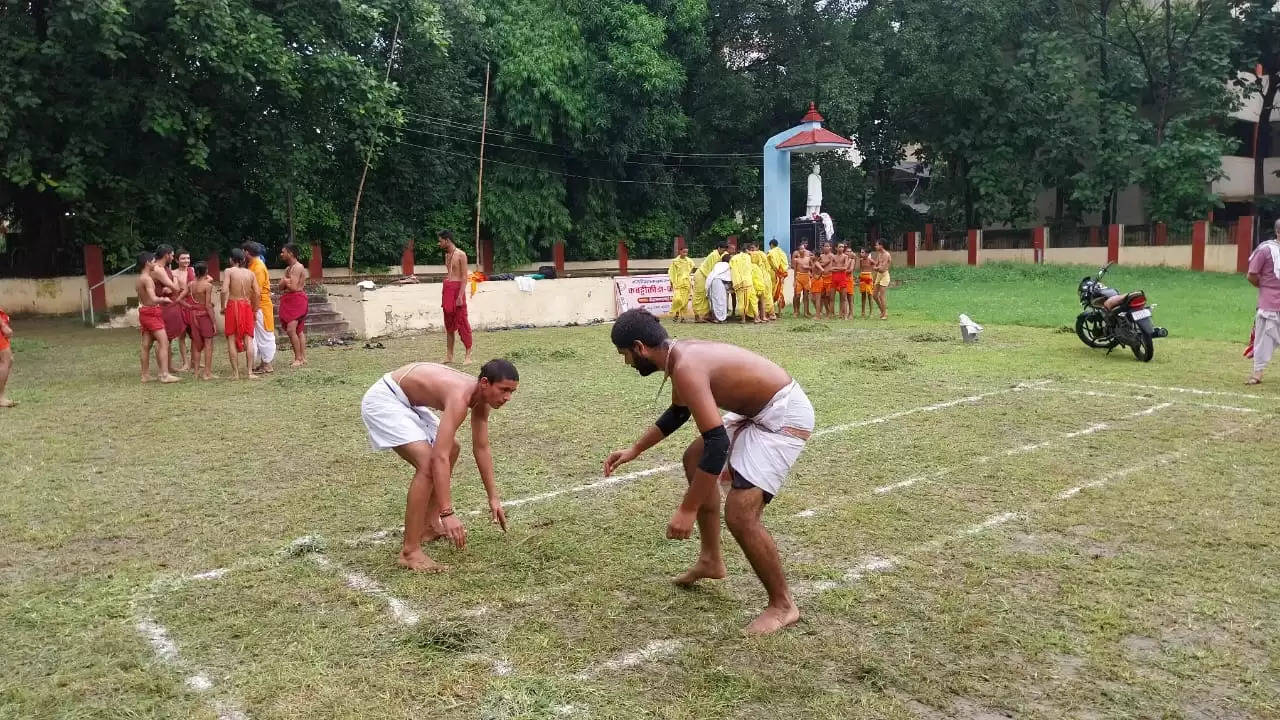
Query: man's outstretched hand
616	459
454	531
681	525
497	514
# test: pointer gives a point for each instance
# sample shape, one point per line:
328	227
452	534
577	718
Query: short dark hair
497	370
145	257
722	244
181	251
773	243
879	243
637	324
238	255
249	247
291	249
163	250
445	235
202	268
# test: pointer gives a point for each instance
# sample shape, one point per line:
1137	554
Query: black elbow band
715	450
671	420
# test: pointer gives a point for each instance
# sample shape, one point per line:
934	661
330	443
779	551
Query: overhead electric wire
573	175
571	157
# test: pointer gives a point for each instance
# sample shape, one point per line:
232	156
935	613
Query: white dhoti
391	420
1266	338
766	446
718	292
264	341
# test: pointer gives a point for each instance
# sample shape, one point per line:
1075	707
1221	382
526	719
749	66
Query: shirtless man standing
294	303
183	277
768	422
826	265
453	297
201	322
866	280
239	306
802	261
151	320
167	287
840	287
397	413
883	261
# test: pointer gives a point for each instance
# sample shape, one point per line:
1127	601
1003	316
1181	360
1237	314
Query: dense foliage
198	122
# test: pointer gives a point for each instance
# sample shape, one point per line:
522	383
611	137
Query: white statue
813	201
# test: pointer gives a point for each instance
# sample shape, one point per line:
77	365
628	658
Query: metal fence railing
953	240
1222	234
1007	239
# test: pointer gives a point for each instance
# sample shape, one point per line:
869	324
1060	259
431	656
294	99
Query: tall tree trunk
1262	145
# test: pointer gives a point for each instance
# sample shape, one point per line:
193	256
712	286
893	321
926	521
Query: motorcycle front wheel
1090	330
1143	349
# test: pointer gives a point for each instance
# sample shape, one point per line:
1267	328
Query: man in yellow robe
701	305
744	289
680	273
778	261
264	330
762	279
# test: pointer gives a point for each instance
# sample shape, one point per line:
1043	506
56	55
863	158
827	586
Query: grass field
1018	528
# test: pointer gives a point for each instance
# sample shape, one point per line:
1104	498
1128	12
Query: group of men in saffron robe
179	306
749	284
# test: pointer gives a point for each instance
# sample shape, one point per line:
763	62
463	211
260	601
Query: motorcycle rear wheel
1090	330
1144	349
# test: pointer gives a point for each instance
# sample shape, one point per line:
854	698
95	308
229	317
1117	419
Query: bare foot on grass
774	619
701	570
418	561
170	379
297	363
7	403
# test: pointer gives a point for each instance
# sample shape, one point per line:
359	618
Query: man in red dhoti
453	297
294	303
240	303
200	321
151	320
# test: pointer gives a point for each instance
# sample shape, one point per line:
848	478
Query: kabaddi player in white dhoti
752	448
398	413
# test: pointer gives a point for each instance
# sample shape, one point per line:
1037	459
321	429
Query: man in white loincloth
397	413
718	291
768	422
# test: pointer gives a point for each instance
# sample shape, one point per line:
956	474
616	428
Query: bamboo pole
368	158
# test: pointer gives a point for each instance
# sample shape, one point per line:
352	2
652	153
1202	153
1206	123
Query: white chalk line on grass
653	650
1188	391
1096	393
985	459
876	564
400	609
968	399
166	651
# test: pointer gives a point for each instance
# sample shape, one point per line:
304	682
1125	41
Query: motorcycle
1110	320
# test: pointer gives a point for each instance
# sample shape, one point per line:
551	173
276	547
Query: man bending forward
768	422
396	411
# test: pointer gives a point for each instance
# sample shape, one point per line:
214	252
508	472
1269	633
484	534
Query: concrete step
314	318
329	328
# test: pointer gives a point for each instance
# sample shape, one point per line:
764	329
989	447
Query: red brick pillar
406	258
622	257
679	243
316	265
557	257
1244	243
1038	236
486	263
910	239
928	236
975	240
1094	238
93	275
215	266
1199	236
1115	233
1162	235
